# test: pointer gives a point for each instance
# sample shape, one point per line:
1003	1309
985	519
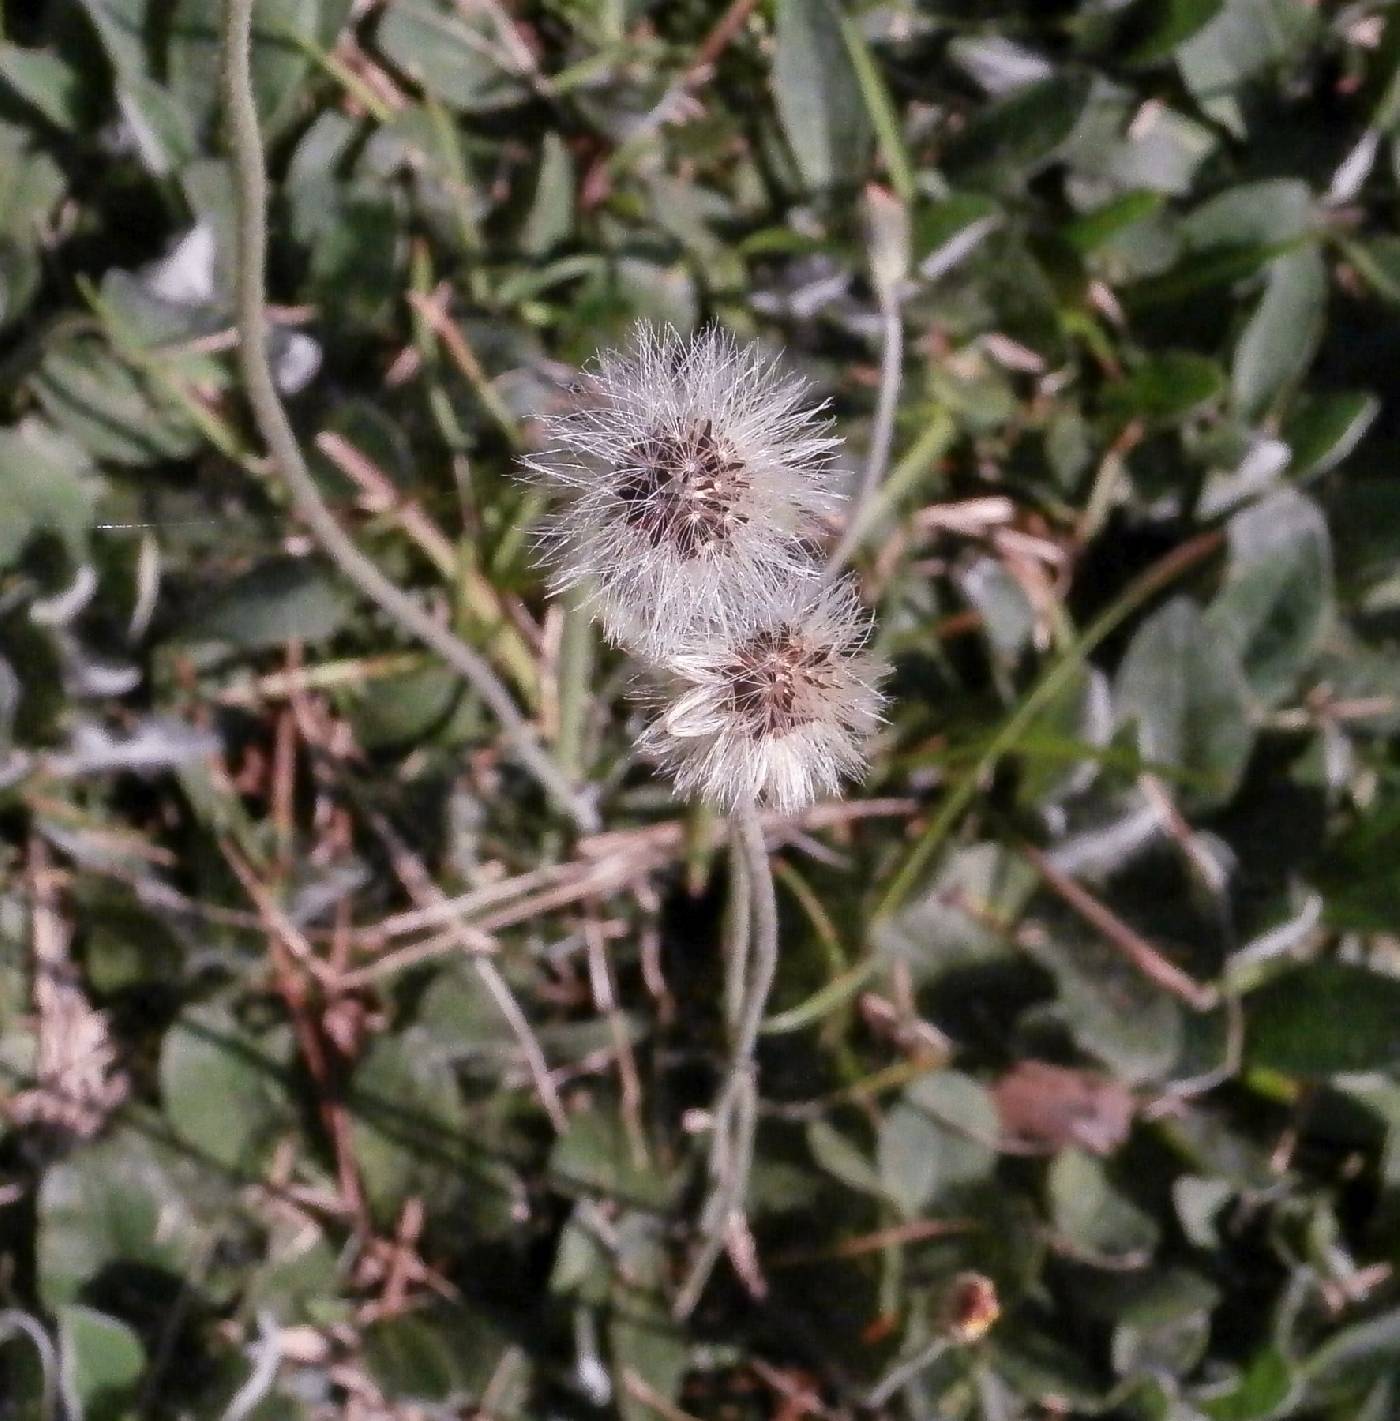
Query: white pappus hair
693	476
777	714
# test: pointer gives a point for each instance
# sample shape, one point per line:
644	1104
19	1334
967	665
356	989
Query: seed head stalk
751	964
250	188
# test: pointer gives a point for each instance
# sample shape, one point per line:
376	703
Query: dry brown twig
1169	977
419	885
605	1003
607	863
77	1084
291	951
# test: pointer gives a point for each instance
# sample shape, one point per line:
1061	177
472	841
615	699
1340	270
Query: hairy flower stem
763	947
736	948
250	187
752	945
881	441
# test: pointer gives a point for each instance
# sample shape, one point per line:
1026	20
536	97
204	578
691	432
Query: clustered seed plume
693	477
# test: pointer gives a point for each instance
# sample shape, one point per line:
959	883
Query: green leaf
1011	140
1276	602
1161	1322
1094	228
1166	388
843	1160
1322	429
45	81
465	1022
1255	214
1008	617
1162	150
1283	334
597	1154
127	947
551	216
1357	871
884	117
119	26
956	921
1186	690
115	413
46	485
1378	261
159	123
281	600
1245	38
448	1355
1093	1218
353	260
1363	1349
1198	273
452	52
100	1362
1154	28
31	183
945	233
408	1120
646	1342
19	279
1263	1391
818	94
1113	1011
117	1201
223	1092
940	1137
1324	1019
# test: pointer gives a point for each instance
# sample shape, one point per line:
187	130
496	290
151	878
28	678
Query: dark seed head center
773	679
683	489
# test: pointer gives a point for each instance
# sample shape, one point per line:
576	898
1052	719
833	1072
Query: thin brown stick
641	1390
605	1001
1119	934
419	885
465	359
379	495
915	1231
443	909
721	34
281	926
629	857
596	881
290	951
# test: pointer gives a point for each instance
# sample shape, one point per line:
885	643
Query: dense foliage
343	1077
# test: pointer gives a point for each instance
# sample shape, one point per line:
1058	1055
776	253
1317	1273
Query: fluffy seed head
693	475
778	713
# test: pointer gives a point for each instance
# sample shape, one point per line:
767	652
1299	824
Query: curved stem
250	186
877	461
